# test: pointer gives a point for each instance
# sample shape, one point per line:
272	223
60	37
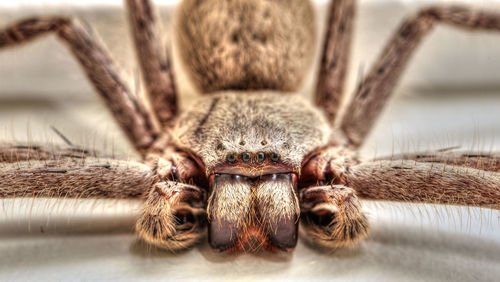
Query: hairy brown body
238	122
252	44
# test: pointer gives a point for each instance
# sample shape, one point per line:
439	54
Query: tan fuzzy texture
239	203
277	201
230	201
154	62
327	165
486	161
246	44
234	122
335	57
434	183
158	224
10	153
346	223
70	177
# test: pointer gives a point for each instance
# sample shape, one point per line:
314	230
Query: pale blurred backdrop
450	96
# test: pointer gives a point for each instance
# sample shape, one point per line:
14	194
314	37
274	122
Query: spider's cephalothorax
250	159
252	148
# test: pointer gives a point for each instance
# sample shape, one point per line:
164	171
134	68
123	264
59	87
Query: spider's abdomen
246	44
234	129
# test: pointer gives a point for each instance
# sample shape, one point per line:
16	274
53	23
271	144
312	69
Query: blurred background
449	96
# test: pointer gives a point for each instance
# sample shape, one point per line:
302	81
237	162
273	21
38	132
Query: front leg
332	216
331	213
133	117
173	216
426	182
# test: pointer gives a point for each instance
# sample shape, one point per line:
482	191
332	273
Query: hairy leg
327	166
331	178
153	60
411	181
132	116
74	177
331	213
331	216
477	160
335	57
374	91
16	153
173	216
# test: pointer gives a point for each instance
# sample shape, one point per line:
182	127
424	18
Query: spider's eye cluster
231	158
275	157
261	157
247	157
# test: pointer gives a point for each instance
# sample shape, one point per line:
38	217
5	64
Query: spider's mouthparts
253	212
253	178
252	169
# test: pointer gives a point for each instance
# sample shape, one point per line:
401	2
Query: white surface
442	102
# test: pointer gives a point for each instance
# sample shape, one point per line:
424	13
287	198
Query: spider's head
252	148
246	44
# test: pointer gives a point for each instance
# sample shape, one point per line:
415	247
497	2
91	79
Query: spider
250	160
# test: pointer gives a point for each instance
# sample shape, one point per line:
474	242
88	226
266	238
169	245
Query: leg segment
132	116
332	216
376	88
434	183
173	216
335	57
155	66
330	213
74	177
476	160
18	153
328	166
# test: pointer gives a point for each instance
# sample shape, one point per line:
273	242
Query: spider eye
246	157
275	157
231	158
260	157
